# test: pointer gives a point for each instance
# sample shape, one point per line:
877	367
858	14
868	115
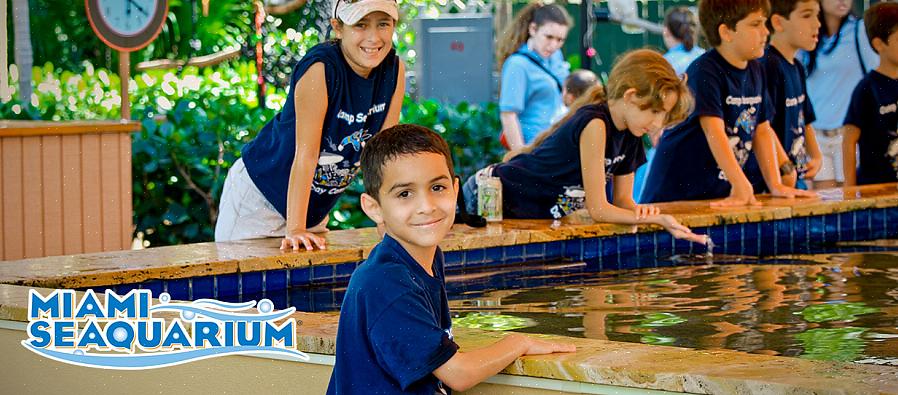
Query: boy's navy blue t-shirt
357	108
395	328
788	93
684	167
874	109
548	182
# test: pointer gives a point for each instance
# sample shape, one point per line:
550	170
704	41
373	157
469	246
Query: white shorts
244	213
831	148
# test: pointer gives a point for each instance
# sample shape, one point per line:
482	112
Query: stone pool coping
205	259
617	363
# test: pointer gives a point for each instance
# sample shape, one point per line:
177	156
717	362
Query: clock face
127	17
126	25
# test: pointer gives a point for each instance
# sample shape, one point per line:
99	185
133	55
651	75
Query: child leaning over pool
394	334
567	167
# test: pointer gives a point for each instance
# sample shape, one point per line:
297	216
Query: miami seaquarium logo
127	333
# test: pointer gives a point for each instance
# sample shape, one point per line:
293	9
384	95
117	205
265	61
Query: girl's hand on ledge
782	191
645	211
305	239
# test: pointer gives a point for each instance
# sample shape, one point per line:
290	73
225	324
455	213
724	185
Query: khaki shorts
830	142
244	213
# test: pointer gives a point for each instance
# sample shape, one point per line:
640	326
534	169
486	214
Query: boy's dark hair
881	21
713	13
396	141
783	8
579	81
681	23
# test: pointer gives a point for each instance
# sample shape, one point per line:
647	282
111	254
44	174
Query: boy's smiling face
416	202
749	38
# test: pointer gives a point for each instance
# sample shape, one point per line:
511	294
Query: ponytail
681	23
518	32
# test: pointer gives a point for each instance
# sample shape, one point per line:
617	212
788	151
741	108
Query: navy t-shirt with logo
548	182
395	328
357	108
684	167
874	109
788	93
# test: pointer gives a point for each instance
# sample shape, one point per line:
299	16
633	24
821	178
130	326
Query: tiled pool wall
618	252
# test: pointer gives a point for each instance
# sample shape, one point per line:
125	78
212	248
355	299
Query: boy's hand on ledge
538	346
782	191
305	239
741	194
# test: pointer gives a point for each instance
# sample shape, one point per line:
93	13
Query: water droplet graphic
265	306
119	334
164	297
206	330
78	352
188	315
92	336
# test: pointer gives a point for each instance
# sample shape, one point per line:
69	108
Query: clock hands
139	8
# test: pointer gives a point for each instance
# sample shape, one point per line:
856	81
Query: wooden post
4	48
124	73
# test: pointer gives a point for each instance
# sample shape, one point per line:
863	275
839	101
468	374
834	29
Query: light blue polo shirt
837	73
530	92
680	58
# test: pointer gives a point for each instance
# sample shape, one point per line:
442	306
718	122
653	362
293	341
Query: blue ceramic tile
816	229
102	290
179	289
735	238
831	231
864	224
626	244
513	254
251	283
591	248
627	262
279	298
554	249
766	237
343	271
645	243
891	222
751	240
474	256
203	287
878	229
451	259
535	250
155	286
228	285
800	235
663	244
321	274
300	276
685	247
275	280
847	226
609	246
299	298
494	254
123	289
783	242
573	249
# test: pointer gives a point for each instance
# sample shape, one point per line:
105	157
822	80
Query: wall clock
126	25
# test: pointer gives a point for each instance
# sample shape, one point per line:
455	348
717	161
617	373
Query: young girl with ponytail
599	141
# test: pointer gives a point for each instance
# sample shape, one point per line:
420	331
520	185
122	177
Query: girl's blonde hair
644	70
518	32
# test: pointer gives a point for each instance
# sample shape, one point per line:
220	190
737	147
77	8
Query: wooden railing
65	187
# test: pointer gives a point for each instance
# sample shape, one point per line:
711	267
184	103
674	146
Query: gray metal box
455	58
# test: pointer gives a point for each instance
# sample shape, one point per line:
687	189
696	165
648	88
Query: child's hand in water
741	194
645	211
679	230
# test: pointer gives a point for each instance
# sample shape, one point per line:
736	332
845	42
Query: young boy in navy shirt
794	24
394	334
712	154
872	117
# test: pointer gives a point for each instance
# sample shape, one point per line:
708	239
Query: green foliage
492	322
846	312
832	344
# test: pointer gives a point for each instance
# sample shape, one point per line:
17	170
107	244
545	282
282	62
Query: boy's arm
849	159
810	142
466	369
396	102
741	193
770	154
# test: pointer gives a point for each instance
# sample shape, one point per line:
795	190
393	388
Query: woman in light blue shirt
842	57
680	28
533	70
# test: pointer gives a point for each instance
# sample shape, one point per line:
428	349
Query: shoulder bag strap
541	66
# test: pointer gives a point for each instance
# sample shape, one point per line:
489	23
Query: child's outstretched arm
592	167
311	105
849	151
771	155
742	193
466	369
810	142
